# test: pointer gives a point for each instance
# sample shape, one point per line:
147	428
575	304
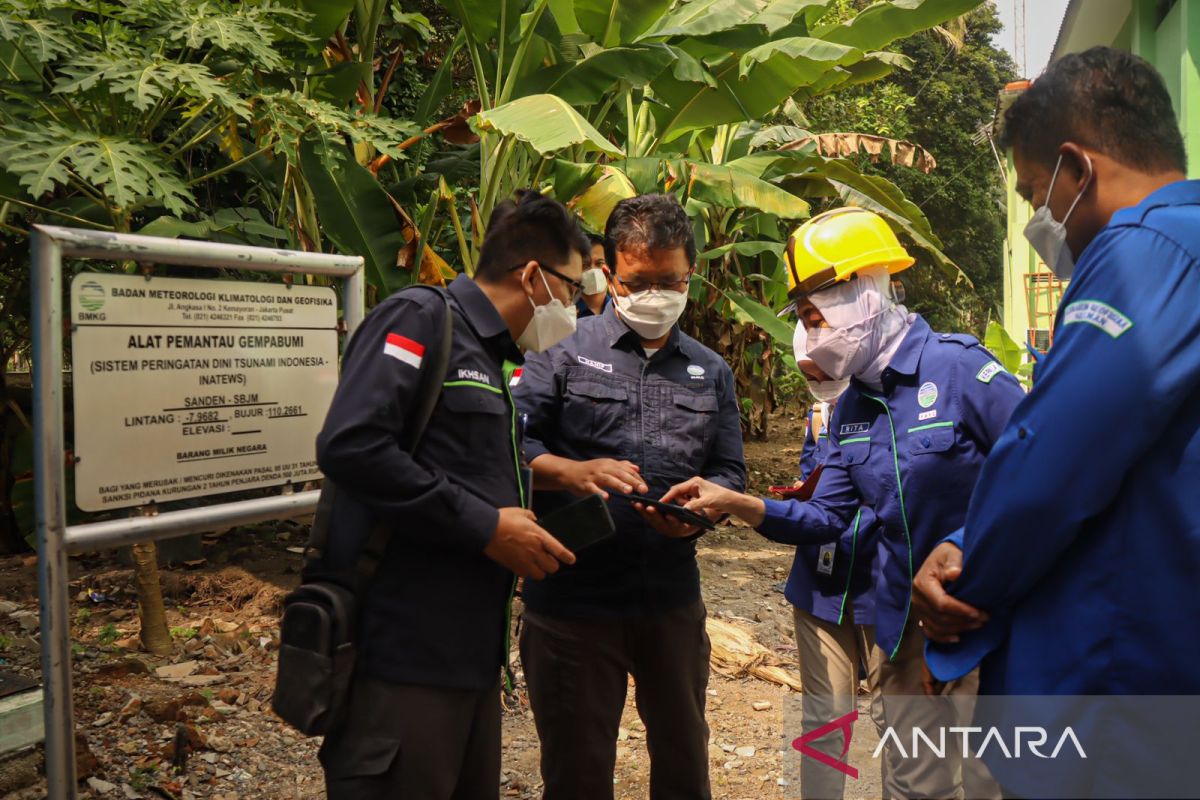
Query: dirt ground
223	613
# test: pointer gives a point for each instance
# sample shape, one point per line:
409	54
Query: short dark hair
651	221
595	239
1107	99
530	227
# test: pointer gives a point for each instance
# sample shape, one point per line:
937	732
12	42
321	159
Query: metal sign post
50	244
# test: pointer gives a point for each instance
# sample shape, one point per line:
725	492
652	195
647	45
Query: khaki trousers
830	655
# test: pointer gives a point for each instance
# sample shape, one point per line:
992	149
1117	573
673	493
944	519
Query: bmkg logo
91	296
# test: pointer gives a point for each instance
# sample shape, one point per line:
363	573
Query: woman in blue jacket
831	590
907	441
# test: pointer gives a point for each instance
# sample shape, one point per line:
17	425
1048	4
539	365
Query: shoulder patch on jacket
989	371
1099	315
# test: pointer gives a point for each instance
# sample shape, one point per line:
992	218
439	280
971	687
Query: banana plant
595	100
657	77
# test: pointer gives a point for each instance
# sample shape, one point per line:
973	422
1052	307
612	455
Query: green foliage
354	210
108	634
124	171
546	123
941	108
1010	354
183	633
314	124
142	778
681	90
1002	346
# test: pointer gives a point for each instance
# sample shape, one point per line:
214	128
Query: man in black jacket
424	711
632	404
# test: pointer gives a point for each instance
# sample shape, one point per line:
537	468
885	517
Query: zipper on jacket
509	681
903	517
850	571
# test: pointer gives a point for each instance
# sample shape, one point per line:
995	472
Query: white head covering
870	303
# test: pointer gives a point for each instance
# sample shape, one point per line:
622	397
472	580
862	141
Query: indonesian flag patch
404	349
516	378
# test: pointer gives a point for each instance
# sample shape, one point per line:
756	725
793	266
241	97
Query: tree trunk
155	635
11	540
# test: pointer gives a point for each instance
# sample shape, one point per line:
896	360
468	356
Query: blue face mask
1049	236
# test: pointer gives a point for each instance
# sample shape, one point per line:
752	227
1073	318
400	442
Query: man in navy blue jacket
424	708
633	404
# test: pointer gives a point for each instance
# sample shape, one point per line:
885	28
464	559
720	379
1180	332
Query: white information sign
193	387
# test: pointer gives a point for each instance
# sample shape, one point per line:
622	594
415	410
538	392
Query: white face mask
839	352
650	314
593	281
825	391
1048	236
551	323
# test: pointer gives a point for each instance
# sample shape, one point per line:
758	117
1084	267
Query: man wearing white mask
907	440
631	404
423	713
595	281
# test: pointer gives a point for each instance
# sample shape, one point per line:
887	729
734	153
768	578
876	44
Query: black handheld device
668	509
581	524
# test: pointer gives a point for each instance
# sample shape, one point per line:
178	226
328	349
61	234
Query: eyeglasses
634	287
576	286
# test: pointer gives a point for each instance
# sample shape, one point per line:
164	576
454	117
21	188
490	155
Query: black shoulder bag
318	632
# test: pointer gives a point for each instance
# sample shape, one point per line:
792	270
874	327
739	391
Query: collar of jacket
483	317
1179	193
621	335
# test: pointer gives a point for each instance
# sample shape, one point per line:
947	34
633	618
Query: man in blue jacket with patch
1075	574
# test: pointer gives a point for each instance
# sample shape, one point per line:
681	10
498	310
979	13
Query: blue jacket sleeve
822	519
726	463
1124	339
808	454
359	447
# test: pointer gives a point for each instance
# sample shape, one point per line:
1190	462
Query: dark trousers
415	743
577	672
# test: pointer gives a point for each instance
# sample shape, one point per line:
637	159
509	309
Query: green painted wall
1019	259
1173	47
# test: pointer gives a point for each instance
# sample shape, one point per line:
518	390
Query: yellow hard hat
832	246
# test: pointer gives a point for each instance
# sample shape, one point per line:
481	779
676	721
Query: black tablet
580	524
669	509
